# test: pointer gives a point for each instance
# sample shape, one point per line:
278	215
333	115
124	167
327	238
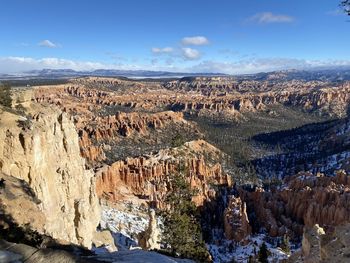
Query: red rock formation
146	178
319	199
304	200
236	223
225	97
89	151
125	124
95	129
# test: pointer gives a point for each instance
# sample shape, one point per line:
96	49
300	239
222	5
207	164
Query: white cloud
13	65
165	50
249	66
190	53
21	64
48	43
245	66
268	18
195	41
185	53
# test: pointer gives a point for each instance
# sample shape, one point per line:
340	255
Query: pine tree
182	231
177	141
5	95
263	253
346	5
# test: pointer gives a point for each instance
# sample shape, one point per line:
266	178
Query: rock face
106	133
319	199
224	95
125	124
45	154
311	244
149	177
306	199
319	245
112	129
25	253
17	193
236	222
150	238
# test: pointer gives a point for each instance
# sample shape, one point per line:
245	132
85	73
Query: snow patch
228	250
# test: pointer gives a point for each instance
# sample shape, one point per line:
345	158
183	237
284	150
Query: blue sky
193	35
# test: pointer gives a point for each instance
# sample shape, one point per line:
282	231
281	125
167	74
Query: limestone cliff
44	152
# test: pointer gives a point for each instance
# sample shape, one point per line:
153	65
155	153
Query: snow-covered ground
125	224
227	251
138	256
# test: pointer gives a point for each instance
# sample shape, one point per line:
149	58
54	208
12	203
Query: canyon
97	150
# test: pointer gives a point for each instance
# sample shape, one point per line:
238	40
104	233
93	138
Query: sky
217	36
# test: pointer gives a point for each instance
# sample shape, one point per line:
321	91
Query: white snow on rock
125	225
138	255
227	251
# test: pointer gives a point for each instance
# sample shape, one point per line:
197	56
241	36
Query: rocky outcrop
311	244
329	101
150	238
305	200
101	125
125	124
44	152
227	97
148	177
13	252
319	245
236	222
92	153
105	240
14	194
115	137
319	199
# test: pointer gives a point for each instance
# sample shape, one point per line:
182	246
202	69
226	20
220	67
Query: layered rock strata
311	97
